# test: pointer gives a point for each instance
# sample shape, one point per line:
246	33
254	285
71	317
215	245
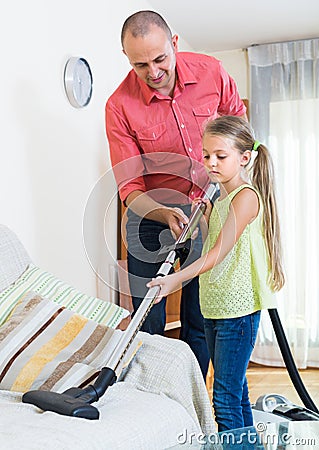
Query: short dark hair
139	24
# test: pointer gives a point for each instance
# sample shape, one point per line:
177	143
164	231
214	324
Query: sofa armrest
14	259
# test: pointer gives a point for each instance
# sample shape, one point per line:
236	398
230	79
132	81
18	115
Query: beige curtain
285	115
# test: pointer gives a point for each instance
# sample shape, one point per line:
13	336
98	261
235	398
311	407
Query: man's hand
144	206
176	220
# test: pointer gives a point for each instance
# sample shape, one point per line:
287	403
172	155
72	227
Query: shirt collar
185	76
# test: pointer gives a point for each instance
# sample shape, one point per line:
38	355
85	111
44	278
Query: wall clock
78	82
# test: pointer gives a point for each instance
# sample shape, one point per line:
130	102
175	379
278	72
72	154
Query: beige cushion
46	346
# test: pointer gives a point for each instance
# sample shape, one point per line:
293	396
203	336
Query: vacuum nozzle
75	401
64	404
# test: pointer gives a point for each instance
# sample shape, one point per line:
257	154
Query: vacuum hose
289	361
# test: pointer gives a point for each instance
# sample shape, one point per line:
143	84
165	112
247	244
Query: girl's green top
239	284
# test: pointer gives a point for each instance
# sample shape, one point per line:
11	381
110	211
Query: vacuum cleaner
77	402
277	405
277	408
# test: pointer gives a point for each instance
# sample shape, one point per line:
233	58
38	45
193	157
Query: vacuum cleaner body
271	408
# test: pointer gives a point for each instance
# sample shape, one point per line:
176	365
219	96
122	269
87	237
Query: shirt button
194	172
174	101
190	149
192	194
182	125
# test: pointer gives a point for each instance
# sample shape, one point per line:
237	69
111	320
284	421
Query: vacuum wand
151	295
76	402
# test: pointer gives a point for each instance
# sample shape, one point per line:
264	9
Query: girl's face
222	160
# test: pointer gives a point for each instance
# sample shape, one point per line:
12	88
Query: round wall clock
78	82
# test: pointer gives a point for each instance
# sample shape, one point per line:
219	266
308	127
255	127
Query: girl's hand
206	210
167	285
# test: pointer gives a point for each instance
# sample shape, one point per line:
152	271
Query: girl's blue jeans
230	344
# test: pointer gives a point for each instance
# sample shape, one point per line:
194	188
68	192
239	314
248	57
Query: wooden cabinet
173	323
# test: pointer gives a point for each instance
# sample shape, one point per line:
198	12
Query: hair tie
256	145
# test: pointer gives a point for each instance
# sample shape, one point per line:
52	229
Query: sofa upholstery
160	394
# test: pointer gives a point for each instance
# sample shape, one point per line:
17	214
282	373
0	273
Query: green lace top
238	285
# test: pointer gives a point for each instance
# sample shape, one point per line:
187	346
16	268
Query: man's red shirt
156	141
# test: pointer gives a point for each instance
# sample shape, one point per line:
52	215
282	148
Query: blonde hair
240	133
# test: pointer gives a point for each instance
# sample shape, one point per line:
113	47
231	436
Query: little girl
240	267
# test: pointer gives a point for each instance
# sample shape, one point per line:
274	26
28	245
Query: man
154	123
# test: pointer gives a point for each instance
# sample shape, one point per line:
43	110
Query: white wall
52	154
236	64
54	168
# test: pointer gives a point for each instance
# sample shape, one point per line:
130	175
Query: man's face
153	58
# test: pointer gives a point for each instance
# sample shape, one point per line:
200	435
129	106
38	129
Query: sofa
53	337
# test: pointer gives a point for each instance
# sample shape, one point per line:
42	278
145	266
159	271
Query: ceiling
210	26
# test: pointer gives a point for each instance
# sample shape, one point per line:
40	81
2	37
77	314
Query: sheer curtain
284	112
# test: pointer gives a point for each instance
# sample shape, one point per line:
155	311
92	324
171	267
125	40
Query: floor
264	380
272	380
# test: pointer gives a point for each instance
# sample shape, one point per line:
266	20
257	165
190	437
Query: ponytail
262	177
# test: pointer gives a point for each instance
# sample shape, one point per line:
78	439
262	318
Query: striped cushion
47	285
46	346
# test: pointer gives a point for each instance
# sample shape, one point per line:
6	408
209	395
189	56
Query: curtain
284	112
